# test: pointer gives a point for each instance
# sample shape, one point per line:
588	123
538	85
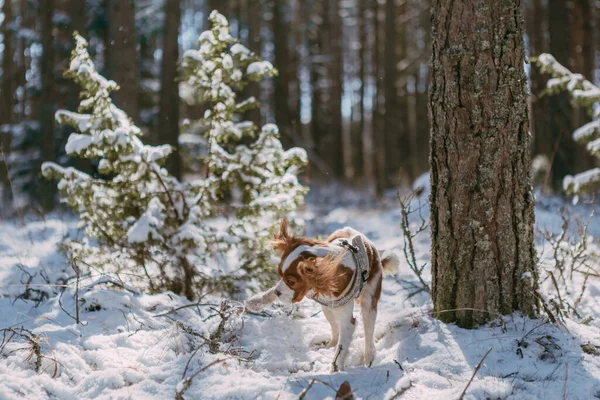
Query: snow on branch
584	93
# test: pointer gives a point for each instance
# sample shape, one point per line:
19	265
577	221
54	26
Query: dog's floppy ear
307	269
281	238
325	275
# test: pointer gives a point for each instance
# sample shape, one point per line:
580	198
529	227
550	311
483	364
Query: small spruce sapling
245	164
135	214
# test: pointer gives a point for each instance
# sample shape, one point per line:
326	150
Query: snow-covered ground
130	345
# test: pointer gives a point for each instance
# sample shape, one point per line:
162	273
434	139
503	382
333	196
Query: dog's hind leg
369	315
346	323
368	309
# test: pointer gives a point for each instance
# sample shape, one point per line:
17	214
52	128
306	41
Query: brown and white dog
328	272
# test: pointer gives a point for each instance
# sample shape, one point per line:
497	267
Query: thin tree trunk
377	121
123	64
483	258
295	50
336	75
47	99
391	123
412	114
254	44
7	95
221	6
22	62
542	144
568	156
582	61
78	16
168	119
358	139
321	76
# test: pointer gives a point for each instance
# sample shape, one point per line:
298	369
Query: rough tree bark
123	63
47	100
483	259
168	118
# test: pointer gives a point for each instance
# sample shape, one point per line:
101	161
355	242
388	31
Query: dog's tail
390	263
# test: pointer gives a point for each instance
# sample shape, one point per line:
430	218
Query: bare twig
303	394
187	364
187	382
462	395
32	338
409	249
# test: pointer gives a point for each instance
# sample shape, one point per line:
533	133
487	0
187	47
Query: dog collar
359	254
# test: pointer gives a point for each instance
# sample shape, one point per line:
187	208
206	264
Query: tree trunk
23	62
47	99
542	144
483	258
336	75
361	170
391	122
168	119
123	64
326	83
378	135
78	16
254	44
568	157
582	61
7	95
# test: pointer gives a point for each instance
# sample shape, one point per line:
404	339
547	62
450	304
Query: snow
259	67
126	347
149	224
78	143
241	50
587	132
577	182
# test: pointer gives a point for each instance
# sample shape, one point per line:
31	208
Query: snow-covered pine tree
135	215
585	94
244	163
137	218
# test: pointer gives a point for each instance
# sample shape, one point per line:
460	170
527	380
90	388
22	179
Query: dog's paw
368	357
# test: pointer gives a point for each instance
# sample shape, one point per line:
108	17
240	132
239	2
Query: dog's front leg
335	327
346	324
